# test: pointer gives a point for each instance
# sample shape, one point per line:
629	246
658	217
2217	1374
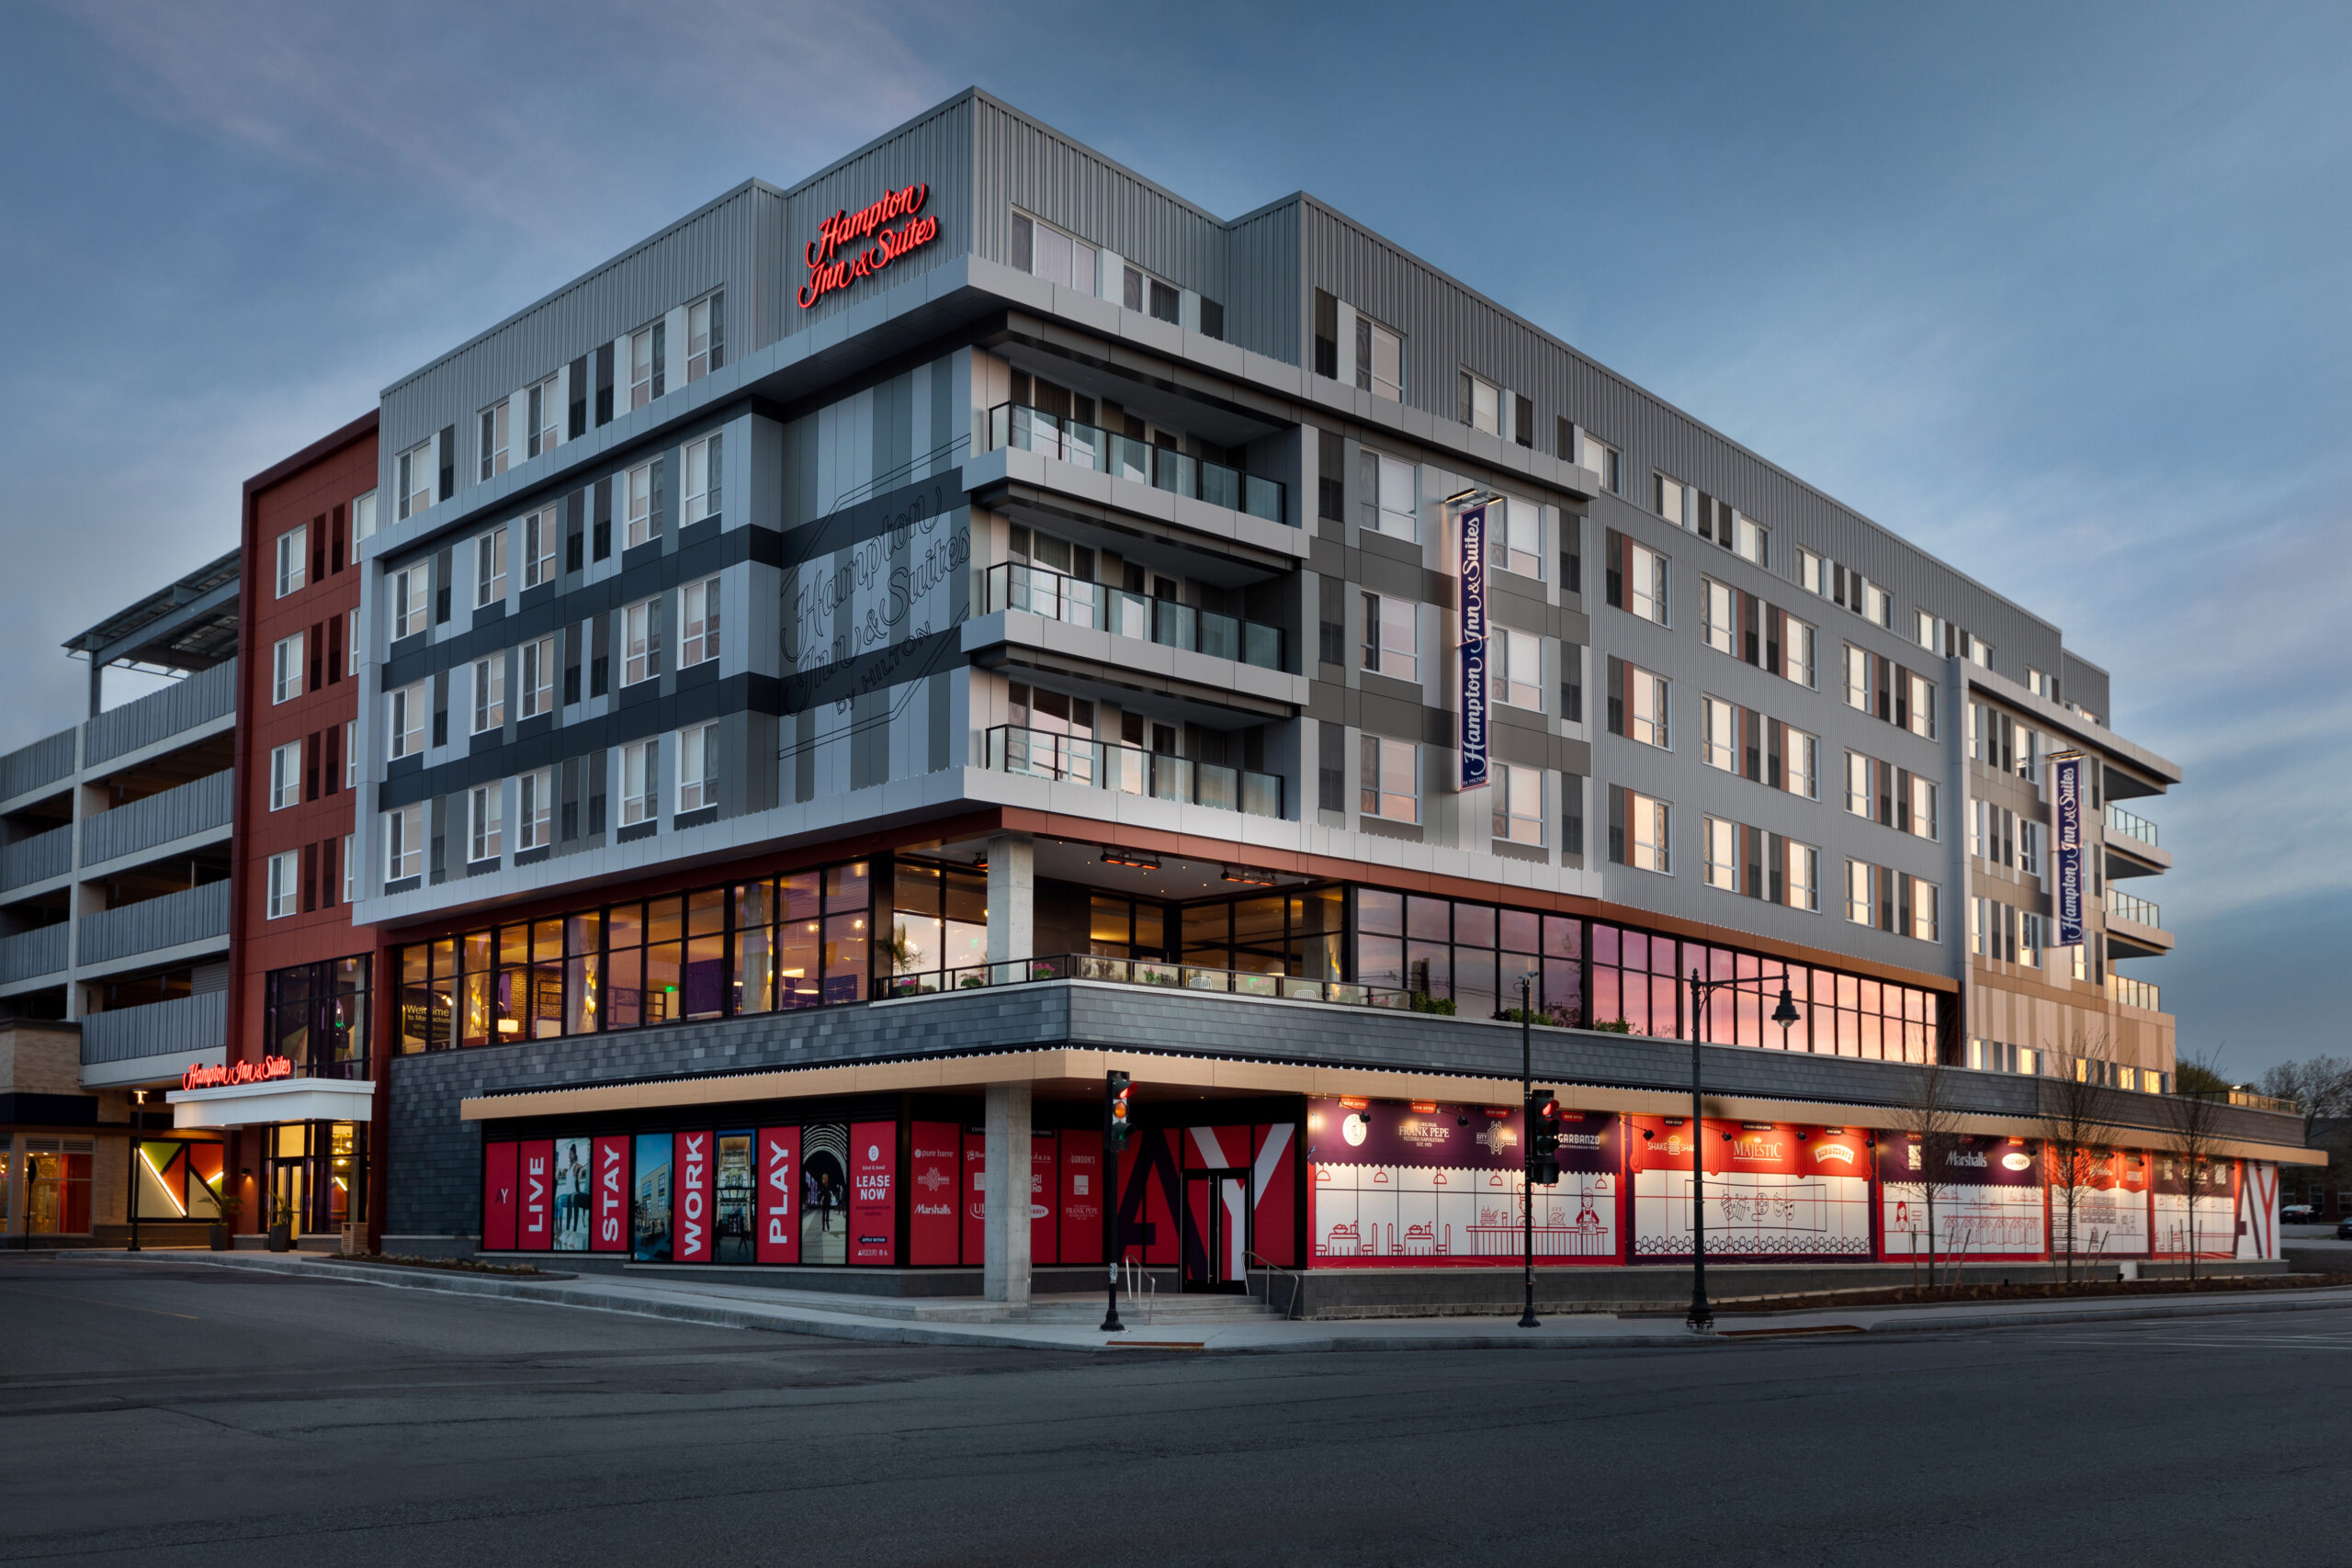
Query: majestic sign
1474	646
266	1070
2066	798
833	265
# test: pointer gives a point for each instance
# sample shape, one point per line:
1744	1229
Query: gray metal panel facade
935	147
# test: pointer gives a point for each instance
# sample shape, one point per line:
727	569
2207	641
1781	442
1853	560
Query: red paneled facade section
933	1233
1081	1197
498	1198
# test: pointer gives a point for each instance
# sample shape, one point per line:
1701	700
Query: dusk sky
2059	293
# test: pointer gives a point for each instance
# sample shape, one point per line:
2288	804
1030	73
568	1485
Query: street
168	1412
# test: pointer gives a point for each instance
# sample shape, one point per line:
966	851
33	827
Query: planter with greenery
281	1225
231	1202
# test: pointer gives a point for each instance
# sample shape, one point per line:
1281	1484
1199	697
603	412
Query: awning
282	1099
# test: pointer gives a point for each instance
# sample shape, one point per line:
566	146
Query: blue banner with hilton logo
2066	794
1474	646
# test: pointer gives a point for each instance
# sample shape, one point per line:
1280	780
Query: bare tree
2193	1118
2321	1088
2075	1127
1932	1123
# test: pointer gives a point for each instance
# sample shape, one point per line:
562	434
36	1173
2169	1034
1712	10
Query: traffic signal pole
1526	1318
1114	1138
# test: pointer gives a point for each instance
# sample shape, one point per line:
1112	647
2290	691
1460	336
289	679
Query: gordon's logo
1825	1153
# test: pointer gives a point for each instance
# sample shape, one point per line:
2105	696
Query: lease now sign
840	254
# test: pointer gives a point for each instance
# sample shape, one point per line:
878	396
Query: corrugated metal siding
185	1023
46	760
194	808
194	914
30	953
1267	311
199	699
936	150
36	859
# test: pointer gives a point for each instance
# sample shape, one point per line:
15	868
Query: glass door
1217	1230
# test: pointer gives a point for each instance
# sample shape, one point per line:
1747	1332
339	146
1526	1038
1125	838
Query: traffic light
1117	1113
1543	1138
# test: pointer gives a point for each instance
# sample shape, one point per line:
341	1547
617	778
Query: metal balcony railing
2124	906
1059	597
46	760
30	954
2131	826
1130	770
1089	447
194	914
34	858
200	699
182	1024
200	806
1142	972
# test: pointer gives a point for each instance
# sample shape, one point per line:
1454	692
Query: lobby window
697	767
644	513
1392	640
1380	360
490	567
489	692
1718	616
1719	733
706	337
703	460
1640	831
293	559
539	531
405	842
285	890
641	651
1519	805
413	478
1519	669
494	438
285	669
1519	543
1043	251
639	774
1389	492
285	776
543	407
410	585
1481	404
408	708
315	1015
698	623
485	817
538	693
1391	780
534	808
647	347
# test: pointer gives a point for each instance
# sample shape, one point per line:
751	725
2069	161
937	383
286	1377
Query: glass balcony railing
1142	972
2125	906
1089	446
1130	770
2134	993
1040	591
2131	826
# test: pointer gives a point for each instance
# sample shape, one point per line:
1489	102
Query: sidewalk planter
220	1241
281	1238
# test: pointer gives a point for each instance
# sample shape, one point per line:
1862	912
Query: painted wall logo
1973	1158
2016	1161
267	1070
1824	1153
830	268
1769	1149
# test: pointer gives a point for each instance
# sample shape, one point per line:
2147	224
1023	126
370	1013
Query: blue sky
2058	293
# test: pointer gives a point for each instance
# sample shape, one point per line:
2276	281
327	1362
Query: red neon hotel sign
832	264
264	1071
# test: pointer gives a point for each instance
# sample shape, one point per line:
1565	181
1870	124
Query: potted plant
281	1225
229	1203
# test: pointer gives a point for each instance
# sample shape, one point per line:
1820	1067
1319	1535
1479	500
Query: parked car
2297	1214
2343	1228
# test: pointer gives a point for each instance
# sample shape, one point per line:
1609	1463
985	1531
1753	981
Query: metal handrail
1146	1292
1162	974
1297	1281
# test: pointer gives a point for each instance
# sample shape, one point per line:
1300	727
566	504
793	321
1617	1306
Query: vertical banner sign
612	1195
873	1192
1474	646
932	1231
2067	793
694	1193
778	1215
536	1190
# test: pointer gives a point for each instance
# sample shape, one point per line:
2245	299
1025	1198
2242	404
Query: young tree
2193	1116
2321	1088
1932	1120
2075	1127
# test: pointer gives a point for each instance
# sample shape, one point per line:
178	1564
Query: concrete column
1012	906
1005	1276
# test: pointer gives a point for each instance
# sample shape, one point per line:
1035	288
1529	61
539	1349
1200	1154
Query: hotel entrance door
1217	1230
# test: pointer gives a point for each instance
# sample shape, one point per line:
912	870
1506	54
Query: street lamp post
1702	1316
138	1126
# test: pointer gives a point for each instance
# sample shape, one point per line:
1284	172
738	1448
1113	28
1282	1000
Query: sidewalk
722	1304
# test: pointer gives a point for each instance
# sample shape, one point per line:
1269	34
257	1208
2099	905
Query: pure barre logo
832	265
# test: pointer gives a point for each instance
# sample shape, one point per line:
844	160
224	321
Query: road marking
100	1301
1153	1345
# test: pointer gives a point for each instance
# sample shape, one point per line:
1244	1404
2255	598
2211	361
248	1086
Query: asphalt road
175	1414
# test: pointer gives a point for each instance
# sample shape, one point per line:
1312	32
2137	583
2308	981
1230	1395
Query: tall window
363	522
293	559
1648	826
1392	637
1645	583
1718	613
697	767
350	872
1810	574
495	445
1517	678
405	842
412	476
645	355
539	530
1925	914
1389	503
285	776
1519	805
1752	540
698	624
284	893
546	412
706	337
1719	733
1801	759
537	696
1923	628
1520	538
534	809
1380	360
1646	706
1804	886
286	669
485	829
1860	906
409	585
1797	639
637	782
703	460
1719	841
1391	785
644	521
1857	677
641	656
1858	785
490	567
489	692
1922	806
1923	707
350	757
409	707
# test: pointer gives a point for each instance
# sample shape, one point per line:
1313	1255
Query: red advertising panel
1158	1163
1773	1190
1081	1197
1044	1182
611	1195
692	1197
1274	1183
974	1202
873	1192
498	1198
1981	1197
779	1199
932	1178
535	1196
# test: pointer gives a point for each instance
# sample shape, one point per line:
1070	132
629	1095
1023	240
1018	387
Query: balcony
199	807
45	762
1130	770
154	925
2121	821
178	1026
37	859
200	699
2133	993
2140	911
29	955
1142	972
1025	429
1075	602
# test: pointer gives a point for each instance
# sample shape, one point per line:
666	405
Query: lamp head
1786	1013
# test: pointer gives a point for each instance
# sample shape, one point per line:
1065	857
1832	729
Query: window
489	692
637	782
1380	360
412	476
1392	789
1921	720
1482	405
363	522
641	656
350	754
490	567
1924	630
1980	653
1877	605
707	337
1861	904
409	707
539	530
1645	583
1675	500
698	624
1719	616
1810	575
697	767
1058	258
1519	669
1803	868
405	842
702	476
485	808
1390	504
1924	918
284	893
2031	939
537	696
1857	677
1797	639
494	438
1719	841
409	586
1602	459
285	674
1752	540
1520	538
285	776
2029	847
1645	708
1646	834
543	407
1801	760
2040	684
1519	805
293	559
1392	642
644	521
351	653
1922	806
645	355
534	809
350	873
1719	733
